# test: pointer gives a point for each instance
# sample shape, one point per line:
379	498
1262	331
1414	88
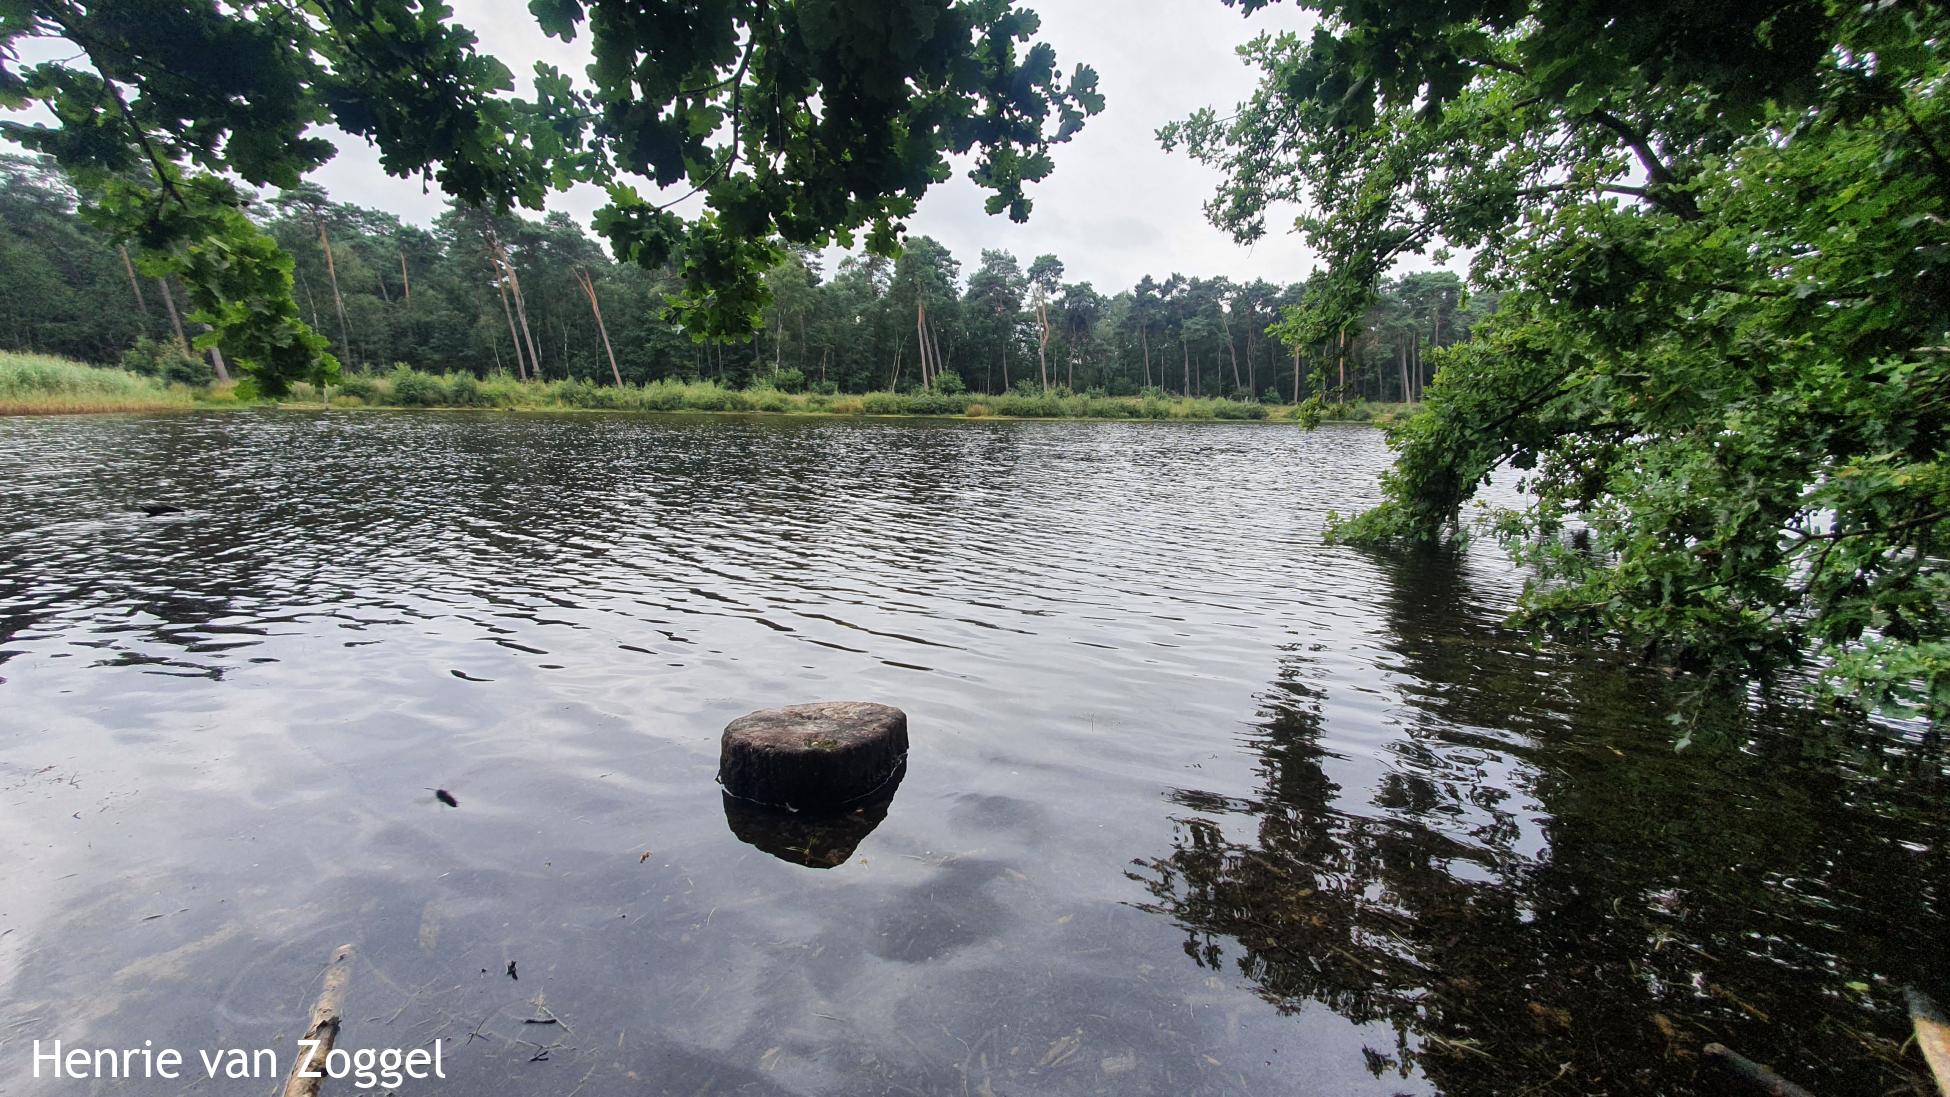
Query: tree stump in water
819	757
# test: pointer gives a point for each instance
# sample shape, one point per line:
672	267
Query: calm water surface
1197	804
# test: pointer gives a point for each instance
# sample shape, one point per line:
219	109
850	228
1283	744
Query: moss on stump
819	757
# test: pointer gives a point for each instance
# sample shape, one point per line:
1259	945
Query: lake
1196	803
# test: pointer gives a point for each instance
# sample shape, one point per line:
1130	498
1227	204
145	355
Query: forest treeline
539	298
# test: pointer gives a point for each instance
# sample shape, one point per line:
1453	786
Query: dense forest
476	293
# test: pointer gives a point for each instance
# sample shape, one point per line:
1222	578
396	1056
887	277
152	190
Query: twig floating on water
1757	1077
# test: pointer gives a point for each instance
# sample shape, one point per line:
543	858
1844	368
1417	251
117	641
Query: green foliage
410	388
1724	261
795	120
166	362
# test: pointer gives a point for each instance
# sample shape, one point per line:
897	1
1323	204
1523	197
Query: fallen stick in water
1758	1078
323	1028
1932	1036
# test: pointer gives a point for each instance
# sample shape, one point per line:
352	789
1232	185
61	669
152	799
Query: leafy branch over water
1720	359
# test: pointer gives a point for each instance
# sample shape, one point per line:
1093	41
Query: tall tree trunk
921	339
338	300
514	337
1144	339
521	314
521	304
589	287
141	305
1226	321
175	318
1187	350
1042	342
405	280
1296	375
1252	375
217	362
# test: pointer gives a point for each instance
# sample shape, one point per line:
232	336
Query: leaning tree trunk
589	287
141	305
521	303
921	340
1042	342
1144	340
216	361
514	337
338	299
1296	375
1226	321
405	280
521	313
175	318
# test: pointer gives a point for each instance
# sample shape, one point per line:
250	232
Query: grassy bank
41	384
405	388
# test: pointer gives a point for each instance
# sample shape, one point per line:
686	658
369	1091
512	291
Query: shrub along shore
35	383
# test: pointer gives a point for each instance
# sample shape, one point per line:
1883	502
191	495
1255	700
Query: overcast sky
1116	208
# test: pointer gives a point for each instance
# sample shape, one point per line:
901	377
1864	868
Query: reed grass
41	384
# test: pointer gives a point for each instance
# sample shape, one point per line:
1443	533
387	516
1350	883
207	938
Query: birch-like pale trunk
589	288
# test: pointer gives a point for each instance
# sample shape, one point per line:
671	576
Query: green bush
413	389
826	388
165	361
1238	409
936	403
883	403
789	380
464	391
361	385
769	399
949	383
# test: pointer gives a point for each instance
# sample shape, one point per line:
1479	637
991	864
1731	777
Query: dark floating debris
466	677
511	971
819	758
157	510
445	797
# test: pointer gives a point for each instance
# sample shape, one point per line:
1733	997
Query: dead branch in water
323	1027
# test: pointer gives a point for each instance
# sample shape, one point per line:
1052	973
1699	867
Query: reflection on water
814	840
1197	804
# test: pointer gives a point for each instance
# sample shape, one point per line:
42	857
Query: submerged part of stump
815	841
820	758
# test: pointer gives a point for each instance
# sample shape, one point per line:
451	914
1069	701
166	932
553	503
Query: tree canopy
1719	364
798	122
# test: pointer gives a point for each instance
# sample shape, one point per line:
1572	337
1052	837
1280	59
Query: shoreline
1277	416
